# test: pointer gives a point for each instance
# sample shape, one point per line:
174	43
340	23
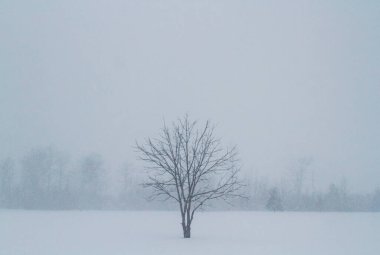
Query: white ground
130	233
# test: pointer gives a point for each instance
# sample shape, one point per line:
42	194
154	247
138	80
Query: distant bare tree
92	175
274	202
299	173
188	165
42	176
7	172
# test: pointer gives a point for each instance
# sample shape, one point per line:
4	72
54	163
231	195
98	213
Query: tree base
186	232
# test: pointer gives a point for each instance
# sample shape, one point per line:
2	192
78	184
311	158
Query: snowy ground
129	233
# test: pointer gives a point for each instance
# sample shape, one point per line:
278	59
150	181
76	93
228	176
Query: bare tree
189	165
42	176
92	175
274	202
7	174
299	173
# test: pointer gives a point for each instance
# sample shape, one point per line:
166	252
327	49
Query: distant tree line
46	178
264	196
292	194
43	179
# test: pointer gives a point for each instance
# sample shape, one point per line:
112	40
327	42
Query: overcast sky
281	79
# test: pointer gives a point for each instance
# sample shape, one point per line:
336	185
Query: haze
281	80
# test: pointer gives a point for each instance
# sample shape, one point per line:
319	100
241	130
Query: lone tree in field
189	165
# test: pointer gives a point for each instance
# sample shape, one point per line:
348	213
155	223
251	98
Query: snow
99	232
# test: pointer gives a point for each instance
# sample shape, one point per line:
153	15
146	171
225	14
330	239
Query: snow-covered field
128	233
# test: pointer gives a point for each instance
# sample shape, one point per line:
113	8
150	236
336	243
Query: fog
283	81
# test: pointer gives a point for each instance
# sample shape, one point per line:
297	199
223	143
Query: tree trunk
186	231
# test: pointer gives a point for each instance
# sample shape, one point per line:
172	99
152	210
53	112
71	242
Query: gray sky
281	79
